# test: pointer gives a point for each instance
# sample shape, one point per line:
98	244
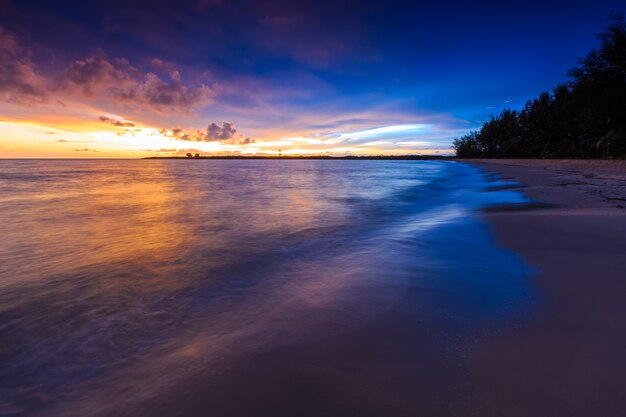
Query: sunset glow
342	208
294	80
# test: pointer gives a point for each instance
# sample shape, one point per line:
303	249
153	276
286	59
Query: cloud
246	141
125	84
191	150
226	134
115	121
159	94
157	63
178	134
8	42
96	77
96	73
85	150
19	81
68	141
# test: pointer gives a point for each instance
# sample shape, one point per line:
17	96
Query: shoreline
568	358
314	157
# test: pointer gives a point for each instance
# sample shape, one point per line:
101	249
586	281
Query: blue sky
304	77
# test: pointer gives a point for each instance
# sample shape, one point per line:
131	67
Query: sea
250	287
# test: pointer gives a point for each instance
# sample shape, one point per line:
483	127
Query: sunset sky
143	78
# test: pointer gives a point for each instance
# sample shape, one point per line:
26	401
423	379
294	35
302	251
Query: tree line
584	117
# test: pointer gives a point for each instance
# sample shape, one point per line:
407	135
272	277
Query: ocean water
248	287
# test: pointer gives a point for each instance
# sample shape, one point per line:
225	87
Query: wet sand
570	358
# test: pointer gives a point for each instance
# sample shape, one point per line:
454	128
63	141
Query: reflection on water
152	287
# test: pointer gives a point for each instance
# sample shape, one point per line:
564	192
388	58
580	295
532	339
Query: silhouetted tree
197	155
468	146
189	155
599	81
584	118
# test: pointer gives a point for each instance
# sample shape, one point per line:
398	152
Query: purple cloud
126	84
226	133
96	77
19	81
246	141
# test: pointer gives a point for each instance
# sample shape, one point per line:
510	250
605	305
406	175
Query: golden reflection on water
141	215
102	221
119	279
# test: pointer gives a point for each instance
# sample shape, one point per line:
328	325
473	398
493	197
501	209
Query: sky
103	79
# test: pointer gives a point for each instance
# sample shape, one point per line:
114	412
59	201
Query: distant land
378	157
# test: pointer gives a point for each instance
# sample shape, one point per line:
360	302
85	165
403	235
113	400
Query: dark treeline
582	118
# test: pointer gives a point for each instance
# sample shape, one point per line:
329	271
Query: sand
569	358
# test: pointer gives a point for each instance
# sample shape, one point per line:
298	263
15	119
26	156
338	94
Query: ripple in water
246	287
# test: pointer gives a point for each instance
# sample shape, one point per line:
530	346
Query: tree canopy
582	118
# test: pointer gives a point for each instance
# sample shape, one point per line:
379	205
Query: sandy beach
568	359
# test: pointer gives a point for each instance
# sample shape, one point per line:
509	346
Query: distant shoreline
379	157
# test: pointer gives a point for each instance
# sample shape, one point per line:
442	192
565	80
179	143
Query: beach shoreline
568	358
